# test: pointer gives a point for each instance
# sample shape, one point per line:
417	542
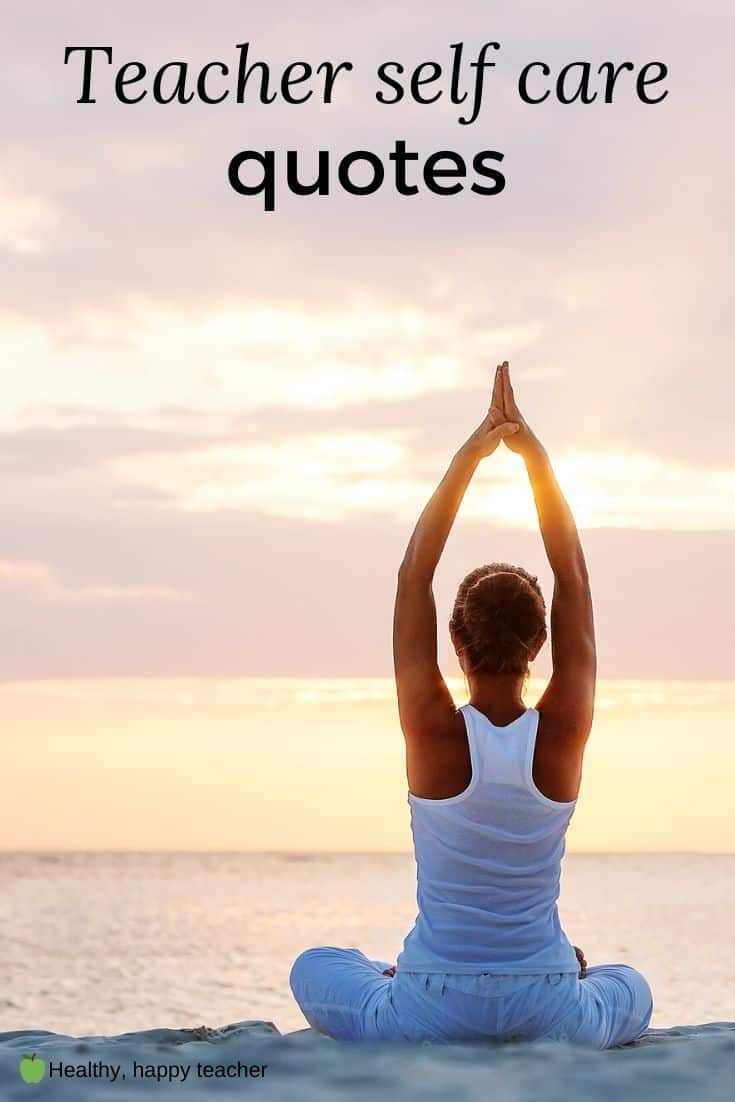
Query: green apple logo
31	1069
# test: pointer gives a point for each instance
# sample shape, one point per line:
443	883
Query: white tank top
488	863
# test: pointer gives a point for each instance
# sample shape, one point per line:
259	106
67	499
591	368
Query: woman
492	787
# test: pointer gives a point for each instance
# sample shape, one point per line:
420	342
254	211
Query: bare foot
582	962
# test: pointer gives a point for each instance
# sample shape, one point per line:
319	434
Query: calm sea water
112	943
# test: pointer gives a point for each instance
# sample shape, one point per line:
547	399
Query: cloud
339	475
283	463
265	596
138	359
40	583
26	221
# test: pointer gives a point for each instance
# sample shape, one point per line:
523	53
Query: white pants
345	995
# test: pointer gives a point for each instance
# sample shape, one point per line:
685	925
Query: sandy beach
670	1064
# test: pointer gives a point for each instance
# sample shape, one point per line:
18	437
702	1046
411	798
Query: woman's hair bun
499	619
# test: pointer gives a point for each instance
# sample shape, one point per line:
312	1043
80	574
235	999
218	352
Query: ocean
110	943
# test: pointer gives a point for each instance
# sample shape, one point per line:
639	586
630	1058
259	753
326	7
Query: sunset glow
216	751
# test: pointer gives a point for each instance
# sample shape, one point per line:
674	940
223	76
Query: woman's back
488	863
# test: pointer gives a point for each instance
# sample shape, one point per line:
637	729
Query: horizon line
41	852
26	679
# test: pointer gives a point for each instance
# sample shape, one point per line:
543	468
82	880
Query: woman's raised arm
424	703
569	698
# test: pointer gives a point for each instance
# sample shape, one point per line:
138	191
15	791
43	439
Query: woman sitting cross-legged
492	788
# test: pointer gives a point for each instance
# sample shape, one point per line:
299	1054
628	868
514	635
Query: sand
668	1064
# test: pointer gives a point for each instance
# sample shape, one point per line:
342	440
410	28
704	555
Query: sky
218	425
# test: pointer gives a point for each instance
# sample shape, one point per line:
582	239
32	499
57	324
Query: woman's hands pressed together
524	442
495	427
503	422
